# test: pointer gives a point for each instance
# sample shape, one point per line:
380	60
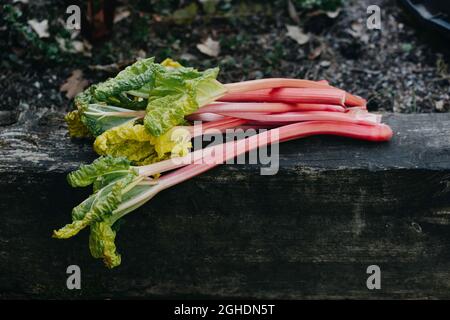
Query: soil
400	68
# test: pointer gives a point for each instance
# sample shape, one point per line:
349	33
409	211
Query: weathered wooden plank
335	207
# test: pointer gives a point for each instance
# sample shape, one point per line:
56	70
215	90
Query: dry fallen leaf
356	29
121	13
74	46
325	63
141	54
293	12
209	47
297	34
40	27
187	56
113	67
333	14
439	105
74	84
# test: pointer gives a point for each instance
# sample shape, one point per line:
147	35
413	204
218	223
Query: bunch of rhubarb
143	121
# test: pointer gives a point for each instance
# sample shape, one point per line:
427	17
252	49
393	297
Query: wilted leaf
40	27
74	84
210	47
297	34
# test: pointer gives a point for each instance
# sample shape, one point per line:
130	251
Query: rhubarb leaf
125	101
104	202
137	145
76	127
87	174
171	64
128	140
167	112
101	244
133	77
98	118
176	142
179	94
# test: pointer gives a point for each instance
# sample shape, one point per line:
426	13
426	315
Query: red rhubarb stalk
379	132
324	95
246	86
357	116
232	149
270	107
221	153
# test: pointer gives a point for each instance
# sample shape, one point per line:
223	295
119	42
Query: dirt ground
397	69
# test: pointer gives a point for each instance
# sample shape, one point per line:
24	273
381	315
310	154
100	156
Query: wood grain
335	207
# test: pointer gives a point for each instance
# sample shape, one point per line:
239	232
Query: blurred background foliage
399	68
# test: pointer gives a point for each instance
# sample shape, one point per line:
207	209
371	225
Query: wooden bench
335	207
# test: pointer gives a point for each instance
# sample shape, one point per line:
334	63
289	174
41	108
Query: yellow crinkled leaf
102	246
135	143
77	129
176	142
170	63
127	140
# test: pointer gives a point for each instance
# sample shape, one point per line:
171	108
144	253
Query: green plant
36	47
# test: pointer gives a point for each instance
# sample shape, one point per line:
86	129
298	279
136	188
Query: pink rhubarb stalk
324	95
269	107
234	89
356	116
221	153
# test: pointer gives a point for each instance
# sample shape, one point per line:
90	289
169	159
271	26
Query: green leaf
97	209
140	73
80	210
87	174
98	118
107	178
101	244
178	95
125	101
83	99
167	112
